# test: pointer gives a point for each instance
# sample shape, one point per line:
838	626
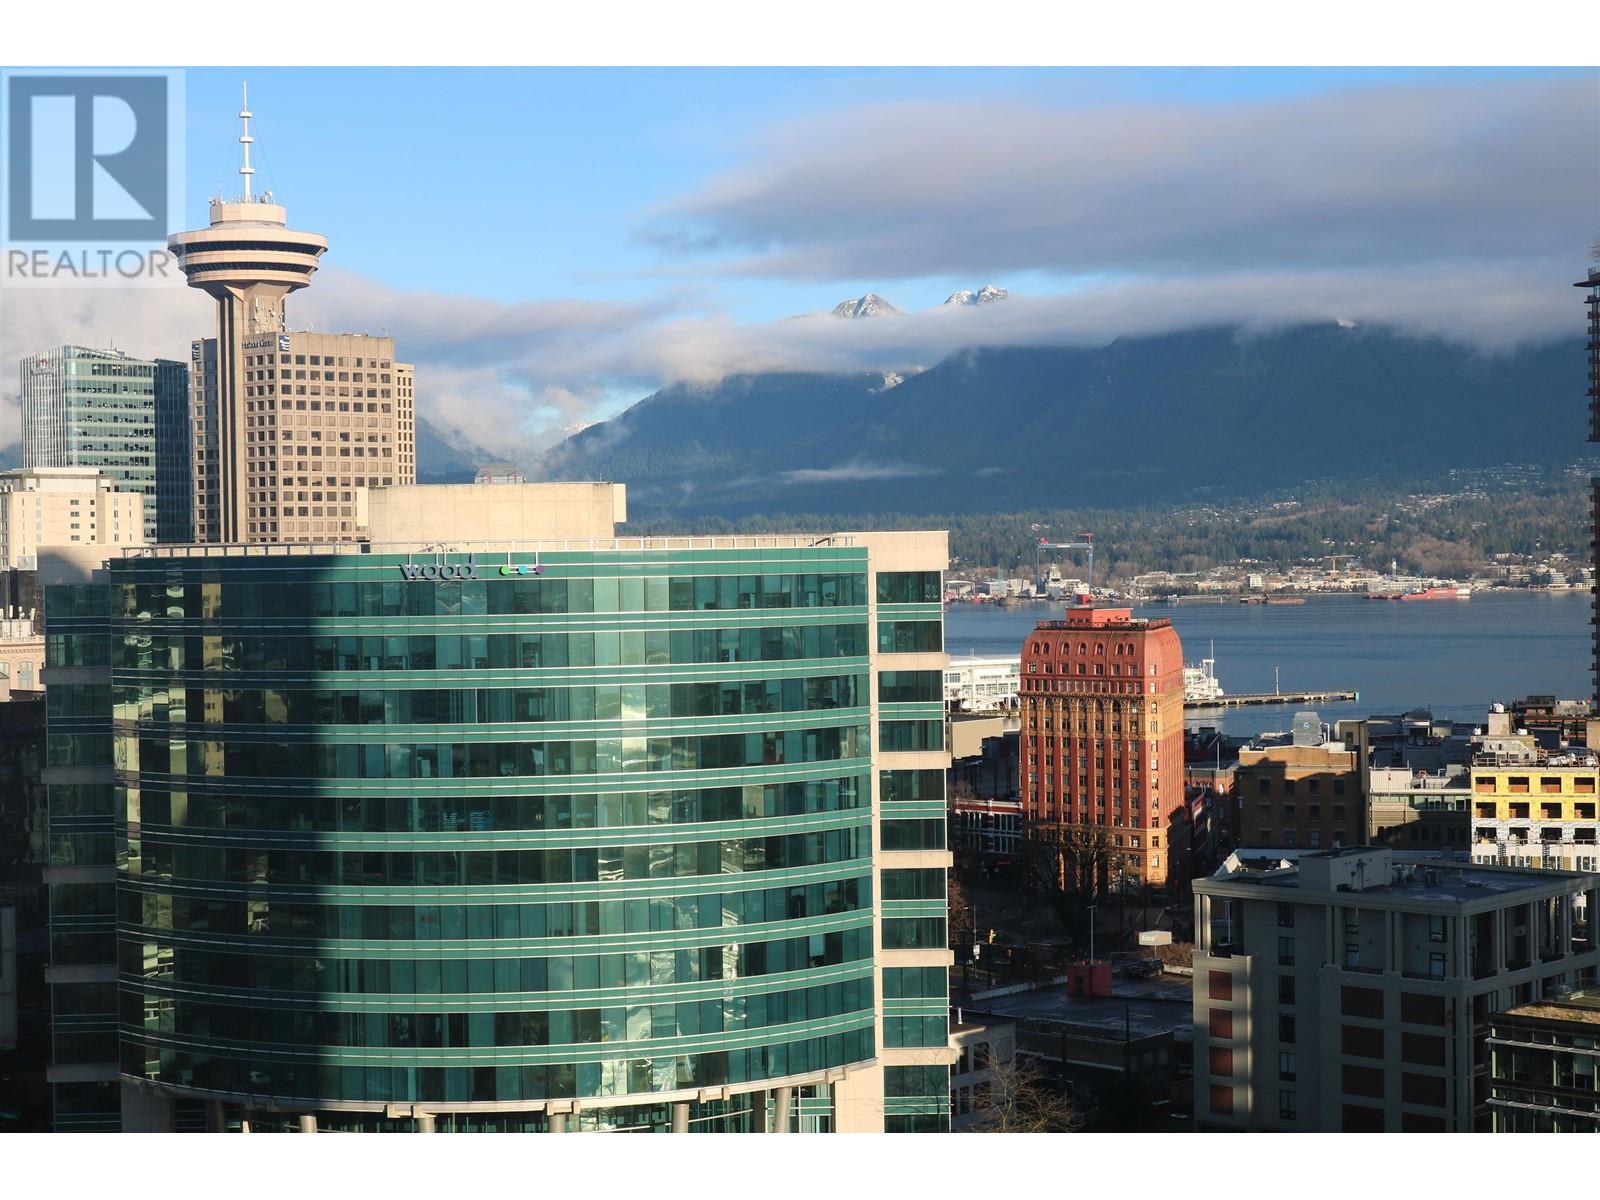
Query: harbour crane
1087	545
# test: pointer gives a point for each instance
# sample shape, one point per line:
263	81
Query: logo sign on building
466	570
533	568
93	177
283	343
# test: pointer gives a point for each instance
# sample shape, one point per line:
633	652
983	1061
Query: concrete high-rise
1102	744
122	416
549	832
286	425
64	506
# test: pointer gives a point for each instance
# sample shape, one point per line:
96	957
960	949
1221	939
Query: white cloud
1481	171
1461	211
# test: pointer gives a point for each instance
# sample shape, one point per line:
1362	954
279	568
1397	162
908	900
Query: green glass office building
125	416
628	834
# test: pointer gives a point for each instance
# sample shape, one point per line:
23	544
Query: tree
1069	867
1022	1100
963	933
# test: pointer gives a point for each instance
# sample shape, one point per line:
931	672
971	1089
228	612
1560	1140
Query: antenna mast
244	140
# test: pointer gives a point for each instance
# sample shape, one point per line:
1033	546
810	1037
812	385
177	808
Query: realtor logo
86	158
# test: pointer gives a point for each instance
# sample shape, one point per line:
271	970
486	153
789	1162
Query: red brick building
1102	738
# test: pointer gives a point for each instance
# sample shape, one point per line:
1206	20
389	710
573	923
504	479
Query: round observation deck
247	243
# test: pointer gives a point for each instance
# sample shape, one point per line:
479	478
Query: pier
1241	699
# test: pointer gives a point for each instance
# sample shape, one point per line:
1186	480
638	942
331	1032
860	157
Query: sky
549	245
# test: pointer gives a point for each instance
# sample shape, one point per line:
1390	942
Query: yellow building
64	506
1540	813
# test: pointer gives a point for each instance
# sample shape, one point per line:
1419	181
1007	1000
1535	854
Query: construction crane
1333	562
1087	545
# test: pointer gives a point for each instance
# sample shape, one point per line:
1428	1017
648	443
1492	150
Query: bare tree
1021	1100
962	931
1069	866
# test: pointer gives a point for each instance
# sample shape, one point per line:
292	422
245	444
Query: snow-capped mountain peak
870	305
987	294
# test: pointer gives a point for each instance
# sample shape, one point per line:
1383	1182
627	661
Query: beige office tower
286	424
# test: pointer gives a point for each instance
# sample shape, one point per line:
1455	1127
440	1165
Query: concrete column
145	1111
244	1125
782	1098
558	1122
680	1117
308	1122
216	1119
758	1111
424	1122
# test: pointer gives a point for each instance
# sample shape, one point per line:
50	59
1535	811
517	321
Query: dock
1241	699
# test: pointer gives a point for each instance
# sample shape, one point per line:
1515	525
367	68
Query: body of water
1451	656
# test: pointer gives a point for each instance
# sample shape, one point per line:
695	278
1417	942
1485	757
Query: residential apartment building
1419	810
450	835
122	416
64	506
1352	993
286	425
1545	1066
1537	810
1305	792
1102	737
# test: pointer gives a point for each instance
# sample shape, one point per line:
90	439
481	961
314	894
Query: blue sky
550	245
546	175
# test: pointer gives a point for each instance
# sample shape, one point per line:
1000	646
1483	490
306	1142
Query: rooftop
620	544
1139	1009
1378	874
1089	617
1579	1006
1574	758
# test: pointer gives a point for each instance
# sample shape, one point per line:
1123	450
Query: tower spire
244	140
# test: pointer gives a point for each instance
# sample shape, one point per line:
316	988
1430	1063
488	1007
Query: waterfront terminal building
554	835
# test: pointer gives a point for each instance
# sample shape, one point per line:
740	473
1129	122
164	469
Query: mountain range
874	305
1215	413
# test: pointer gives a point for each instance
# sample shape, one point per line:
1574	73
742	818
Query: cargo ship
1439	593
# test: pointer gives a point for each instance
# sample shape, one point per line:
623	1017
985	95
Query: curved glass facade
598	827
